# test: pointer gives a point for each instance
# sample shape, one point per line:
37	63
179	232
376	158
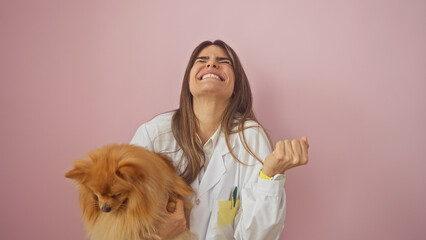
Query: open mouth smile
210	75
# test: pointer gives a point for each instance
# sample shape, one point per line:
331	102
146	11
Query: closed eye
201	59
116	195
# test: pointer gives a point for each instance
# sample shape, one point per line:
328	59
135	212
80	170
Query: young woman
223	152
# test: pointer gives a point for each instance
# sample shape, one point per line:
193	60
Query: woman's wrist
264	176
268	172
275	177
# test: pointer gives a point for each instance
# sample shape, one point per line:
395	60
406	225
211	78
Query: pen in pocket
234	196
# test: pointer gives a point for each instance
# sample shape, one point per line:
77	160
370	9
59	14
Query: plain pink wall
75	75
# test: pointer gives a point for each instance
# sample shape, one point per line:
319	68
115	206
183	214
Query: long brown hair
238	111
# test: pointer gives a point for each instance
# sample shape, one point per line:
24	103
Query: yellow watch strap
264	176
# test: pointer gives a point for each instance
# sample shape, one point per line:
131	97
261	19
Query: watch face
278	177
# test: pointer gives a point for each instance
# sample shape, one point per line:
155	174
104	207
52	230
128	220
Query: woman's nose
212	64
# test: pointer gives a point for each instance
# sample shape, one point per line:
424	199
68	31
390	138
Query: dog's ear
129	171
79	172
76	174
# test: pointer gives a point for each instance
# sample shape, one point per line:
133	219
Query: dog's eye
116	195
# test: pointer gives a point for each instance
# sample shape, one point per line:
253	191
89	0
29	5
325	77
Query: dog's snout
106	208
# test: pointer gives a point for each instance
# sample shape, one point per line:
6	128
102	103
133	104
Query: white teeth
211	76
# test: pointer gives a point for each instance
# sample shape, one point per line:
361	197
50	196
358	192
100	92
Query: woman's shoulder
158	125
161	120
252	124
252	131
156	131
247	126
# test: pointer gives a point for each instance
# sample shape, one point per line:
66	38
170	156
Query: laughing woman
223	152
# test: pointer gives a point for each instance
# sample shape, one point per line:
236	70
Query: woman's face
212	74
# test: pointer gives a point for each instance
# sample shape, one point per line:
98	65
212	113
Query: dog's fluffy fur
123	192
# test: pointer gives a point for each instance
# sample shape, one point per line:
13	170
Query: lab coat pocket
227	212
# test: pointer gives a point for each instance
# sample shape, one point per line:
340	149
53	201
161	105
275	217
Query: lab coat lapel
216	168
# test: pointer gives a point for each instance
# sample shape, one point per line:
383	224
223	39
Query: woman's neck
209	114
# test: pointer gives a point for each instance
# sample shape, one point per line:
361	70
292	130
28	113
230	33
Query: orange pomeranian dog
123	192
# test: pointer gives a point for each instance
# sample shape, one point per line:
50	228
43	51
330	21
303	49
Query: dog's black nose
106	208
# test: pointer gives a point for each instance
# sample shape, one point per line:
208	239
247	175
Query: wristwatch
278	177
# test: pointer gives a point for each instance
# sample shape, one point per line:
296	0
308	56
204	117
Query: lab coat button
197	201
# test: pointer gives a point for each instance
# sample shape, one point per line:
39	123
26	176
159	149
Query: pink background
351	75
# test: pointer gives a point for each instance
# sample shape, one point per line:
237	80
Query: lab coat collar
217	166
212	140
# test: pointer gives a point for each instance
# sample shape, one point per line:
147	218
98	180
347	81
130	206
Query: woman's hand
174	223
287	154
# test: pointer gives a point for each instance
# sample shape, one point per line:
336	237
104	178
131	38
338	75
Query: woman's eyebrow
217	58
202	57
222	58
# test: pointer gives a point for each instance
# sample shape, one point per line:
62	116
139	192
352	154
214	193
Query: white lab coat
261	211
